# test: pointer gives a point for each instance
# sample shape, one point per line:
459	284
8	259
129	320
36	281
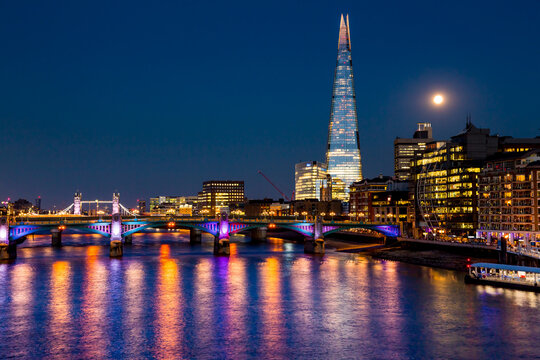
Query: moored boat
502	275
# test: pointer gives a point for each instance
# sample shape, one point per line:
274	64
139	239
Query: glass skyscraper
343	153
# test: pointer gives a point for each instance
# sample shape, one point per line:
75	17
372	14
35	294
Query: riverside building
361	196
509	198
444	192
343	152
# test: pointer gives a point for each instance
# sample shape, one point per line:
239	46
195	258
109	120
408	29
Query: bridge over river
120	229
122	224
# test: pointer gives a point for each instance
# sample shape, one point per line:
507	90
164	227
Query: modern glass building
309	178
343	153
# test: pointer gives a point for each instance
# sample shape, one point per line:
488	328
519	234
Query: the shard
343	153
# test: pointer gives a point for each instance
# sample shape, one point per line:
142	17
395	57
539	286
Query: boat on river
502	275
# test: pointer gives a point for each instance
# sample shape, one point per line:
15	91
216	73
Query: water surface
167	299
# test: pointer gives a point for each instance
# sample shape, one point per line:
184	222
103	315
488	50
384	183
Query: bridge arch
19	233
386	230
291	227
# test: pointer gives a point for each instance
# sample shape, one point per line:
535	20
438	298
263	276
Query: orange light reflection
274	338
60	322
168	339
94	303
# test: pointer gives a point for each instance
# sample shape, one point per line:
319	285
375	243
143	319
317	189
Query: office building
343	152
309	178
445	180
405	150
173	205
220	195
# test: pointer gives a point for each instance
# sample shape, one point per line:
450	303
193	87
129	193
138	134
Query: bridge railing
59	222
180	219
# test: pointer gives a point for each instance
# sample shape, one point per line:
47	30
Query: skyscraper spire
343	154
344	35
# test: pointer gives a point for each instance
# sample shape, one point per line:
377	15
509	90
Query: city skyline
112	108
208	180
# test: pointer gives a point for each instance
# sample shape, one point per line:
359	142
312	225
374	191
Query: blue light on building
343	153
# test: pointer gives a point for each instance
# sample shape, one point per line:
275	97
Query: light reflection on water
95	304
169	306
168	299
60	311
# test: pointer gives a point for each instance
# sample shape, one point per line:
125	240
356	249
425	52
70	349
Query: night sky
152	99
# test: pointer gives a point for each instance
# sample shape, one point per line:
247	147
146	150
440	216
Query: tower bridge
77	207
119	228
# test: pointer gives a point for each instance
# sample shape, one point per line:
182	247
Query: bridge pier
56	238
221	241
314	246
8	251
221	247
258	234
117	248
128	239
8	248
195	236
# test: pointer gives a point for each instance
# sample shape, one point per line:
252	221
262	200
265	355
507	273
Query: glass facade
343	153
309	178
446	188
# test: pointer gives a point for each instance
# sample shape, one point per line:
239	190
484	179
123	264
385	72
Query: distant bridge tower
115	203
117	248
77	203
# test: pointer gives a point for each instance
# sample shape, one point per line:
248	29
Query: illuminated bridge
120	229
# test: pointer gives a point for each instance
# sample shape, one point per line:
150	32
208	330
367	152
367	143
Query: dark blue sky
151	99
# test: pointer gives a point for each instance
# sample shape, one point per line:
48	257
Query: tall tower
343	153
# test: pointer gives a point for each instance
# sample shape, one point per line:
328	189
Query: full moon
438	99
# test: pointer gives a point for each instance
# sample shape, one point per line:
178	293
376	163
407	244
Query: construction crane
275	187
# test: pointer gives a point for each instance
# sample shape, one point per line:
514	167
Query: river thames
168	299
